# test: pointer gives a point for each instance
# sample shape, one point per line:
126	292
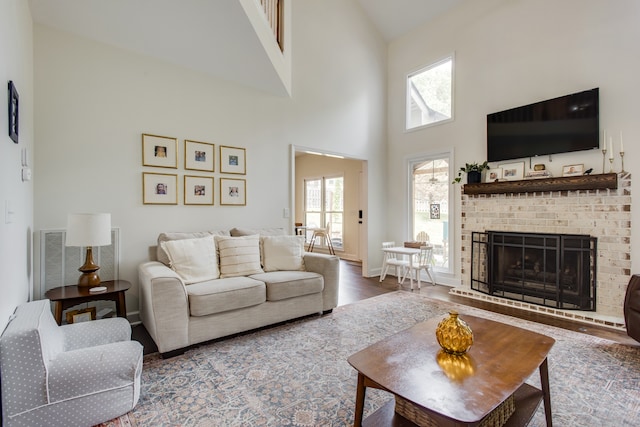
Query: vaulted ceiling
196	33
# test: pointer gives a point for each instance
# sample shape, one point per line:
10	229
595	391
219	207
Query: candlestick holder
604	156
610	164
622	159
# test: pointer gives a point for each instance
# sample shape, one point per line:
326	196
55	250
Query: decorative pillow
282	253
195	260
239	256
162	256
261	231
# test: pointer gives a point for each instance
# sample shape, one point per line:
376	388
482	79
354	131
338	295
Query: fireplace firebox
553	270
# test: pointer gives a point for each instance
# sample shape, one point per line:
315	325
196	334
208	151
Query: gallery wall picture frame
159	188
159	151
198	190
233	192
84	315
233	160
493	174
573	170
199	156
512	171
13	111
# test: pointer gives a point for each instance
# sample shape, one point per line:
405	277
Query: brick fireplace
603	213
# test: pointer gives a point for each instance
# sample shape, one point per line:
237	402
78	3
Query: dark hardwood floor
354	287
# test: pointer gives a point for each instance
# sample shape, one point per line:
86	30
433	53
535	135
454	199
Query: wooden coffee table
412	366
68	296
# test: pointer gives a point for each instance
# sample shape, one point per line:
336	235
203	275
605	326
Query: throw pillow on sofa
161	254
195	260
239	256
282	253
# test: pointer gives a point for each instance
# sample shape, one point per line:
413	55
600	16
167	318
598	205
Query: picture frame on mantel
493	175
14	112
513	171
573	170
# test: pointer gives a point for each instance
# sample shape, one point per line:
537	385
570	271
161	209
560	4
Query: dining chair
424	262
399	265
321	233
422	237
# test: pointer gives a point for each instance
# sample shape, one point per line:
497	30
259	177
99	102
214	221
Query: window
430	94
324	206
430	184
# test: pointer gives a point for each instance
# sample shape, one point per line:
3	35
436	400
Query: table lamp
88	230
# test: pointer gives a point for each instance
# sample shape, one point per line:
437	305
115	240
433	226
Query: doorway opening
328	188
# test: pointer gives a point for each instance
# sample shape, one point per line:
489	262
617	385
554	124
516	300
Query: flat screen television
559	125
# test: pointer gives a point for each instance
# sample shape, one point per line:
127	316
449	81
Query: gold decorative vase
454	335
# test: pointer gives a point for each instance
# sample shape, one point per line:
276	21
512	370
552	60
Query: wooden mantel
566	183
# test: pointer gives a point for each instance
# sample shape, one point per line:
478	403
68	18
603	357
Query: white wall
511	53
16	64
93	102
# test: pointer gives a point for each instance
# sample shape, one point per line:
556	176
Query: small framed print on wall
232	160
199	156
13	112
198	190
159	151
512	171
159	189
233	192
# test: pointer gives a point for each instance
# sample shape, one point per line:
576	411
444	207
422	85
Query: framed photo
159	189
573	170
159	151
84	315
493	174
233	192
199	156
198	190
14	111
232	160
512	171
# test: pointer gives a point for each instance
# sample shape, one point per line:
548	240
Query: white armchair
81	374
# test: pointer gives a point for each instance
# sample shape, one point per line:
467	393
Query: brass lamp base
89	276
89	279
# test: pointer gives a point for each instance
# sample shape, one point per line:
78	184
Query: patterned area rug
297	374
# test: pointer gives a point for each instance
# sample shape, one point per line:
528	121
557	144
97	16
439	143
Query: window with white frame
430	94
324	206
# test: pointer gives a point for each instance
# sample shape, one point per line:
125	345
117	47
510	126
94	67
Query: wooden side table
68	296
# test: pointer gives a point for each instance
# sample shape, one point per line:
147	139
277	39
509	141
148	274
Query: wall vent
59	264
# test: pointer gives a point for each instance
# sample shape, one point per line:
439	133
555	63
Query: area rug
297	374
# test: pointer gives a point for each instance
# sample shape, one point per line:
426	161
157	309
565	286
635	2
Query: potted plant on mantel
473	171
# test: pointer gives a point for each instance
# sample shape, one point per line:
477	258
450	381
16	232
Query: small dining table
404	251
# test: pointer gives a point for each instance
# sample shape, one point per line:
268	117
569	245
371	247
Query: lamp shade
88	229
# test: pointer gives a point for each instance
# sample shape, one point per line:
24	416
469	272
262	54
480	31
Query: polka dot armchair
71	375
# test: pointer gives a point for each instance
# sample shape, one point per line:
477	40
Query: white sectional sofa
211	284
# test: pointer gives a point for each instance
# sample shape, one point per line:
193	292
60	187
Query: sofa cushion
261	231
162	256
289	284
239	256
195	260
282	253
216	296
